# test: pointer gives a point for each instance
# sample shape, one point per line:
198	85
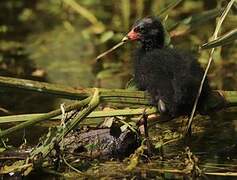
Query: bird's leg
164	113
154	99
161	106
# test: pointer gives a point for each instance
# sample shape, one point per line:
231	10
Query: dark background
57	41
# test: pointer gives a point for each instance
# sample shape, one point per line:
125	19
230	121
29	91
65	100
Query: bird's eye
141	29
136	29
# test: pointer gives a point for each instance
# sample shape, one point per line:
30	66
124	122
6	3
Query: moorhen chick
171	76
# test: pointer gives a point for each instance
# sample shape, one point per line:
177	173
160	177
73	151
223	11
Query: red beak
133	36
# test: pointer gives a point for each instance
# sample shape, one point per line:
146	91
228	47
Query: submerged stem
45	116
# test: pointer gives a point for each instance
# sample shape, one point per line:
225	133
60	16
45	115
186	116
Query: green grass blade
222	40
197	19
169	7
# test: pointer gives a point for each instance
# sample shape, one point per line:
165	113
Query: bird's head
149	31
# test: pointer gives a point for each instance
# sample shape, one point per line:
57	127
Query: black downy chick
171	77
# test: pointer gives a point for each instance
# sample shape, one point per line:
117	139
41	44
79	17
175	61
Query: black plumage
171	76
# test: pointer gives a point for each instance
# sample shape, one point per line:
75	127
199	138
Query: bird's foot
156	101
161	106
